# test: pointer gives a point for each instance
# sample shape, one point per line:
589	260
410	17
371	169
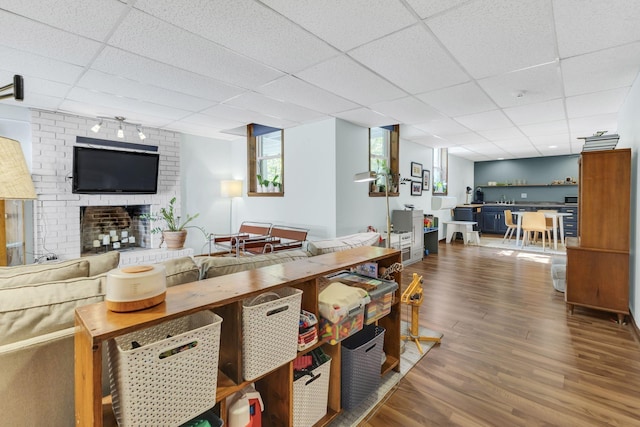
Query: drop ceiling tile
35	85
344	77
89	18
587	126
106	83
600	73
152	38
444	127
560	139
30	65
256	102
90	108
294	90
536	113
485	121
598	103
529	86
434	142
590	25
244	116
476	34
425	9
545	128
346	25
20	33
513	143
465	153
410	132
413	59
240	25
365	117
558	151
501	134
488	149
210	122
459	100
469	138
36	100
133	67
407	110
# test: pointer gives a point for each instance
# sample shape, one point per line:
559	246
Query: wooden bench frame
281	237
248	231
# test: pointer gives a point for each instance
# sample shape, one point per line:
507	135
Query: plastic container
361	372
341	311
381	293
166	374
270	331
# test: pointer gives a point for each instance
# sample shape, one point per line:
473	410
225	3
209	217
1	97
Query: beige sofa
37	305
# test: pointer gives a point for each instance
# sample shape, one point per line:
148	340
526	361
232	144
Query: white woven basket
270	333
167	380
310	396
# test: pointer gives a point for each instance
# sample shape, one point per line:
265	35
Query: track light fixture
121	122
18	89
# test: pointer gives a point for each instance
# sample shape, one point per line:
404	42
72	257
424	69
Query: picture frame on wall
416	188
426	179
416	169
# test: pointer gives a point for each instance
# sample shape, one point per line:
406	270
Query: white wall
629	131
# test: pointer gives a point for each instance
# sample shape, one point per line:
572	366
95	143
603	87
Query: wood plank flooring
511	355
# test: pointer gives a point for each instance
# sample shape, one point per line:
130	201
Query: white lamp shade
365	176
15	179
231	188
443	202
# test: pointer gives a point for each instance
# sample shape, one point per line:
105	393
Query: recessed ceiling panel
346	24
292	89
365	117
485	121
344	77
598	103
590	25
413	59
490	37
407	110
30	65
502	134
529	86
152	38
537	113
594	72
257	102
442	127
246	27
545	128
459	100
425	9
588	126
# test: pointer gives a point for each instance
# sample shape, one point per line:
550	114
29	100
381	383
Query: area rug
491	242
408	359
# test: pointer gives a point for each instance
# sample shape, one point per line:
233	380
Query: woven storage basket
361	355
167	380
310	396
270	333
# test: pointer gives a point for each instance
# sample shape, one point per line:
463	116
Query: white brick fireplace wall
57	210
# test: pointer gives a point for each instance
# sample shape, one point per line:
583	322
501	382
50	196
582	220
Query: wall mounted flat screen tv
102	171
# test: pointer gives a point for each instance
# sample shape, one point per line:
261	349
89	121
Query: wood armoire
598	259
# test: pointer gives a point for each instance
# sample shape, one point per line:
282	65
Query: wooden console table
95	325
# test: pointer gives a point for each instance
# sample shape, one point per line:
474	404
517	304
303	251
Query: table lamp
372	176
231	189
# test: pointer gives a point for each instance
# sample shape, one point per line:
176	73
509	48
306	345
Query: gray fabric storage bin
361	356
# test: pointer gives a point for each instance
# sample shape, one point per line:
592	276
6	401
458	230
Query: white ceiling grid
485	78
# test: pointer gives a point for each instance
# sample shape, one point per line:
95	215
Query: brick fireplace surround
57	210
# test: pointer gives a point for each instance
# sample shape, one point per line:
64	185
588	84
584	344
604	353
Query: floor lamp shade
15	179
231	188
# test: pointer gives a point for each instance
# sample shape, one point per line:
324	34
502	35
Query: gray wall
537	170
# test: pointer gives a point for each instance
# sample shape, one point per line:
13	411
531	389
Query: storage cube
270	331
361	365
310	396
381	293
166	374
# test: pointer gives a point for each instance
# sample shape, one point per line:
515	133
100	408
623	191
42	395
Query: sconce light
121	121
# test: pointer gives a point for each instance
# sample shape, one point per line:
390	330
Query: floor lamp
372	176
231	189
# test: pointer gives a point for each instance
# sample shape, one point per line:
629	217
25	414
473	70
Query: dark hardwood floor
511	355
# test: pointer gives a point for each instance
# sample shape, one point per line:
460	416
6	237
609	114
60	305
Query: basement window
265	150
384	154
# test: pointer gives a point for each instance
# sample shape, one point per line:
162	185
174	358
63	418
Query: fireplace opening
108	228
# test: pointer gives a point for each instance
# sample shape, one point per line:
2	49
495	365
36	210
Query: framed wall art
416	169
416	188
426	178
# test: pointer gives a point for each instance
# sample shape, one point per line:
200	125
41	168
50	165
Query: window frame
440	170
252	162
393	163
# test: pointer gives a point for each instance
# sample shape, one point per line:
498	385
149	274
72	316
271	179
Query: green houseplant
263	183
277	185
173	231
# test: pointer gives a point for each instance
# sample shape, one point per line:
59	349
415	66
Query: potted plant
174	231
277	186
262	183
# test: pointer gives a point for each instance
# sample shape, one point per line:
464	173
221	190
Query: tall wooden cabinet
598	260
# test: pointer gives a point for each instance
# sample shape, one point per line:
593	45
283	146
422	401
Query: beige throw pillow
12	277
181	270
102	263
221	265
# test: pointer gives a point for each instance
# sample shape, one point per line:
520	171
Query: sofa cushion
11	277
40	308
181	270
99	264
342	243
221	265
